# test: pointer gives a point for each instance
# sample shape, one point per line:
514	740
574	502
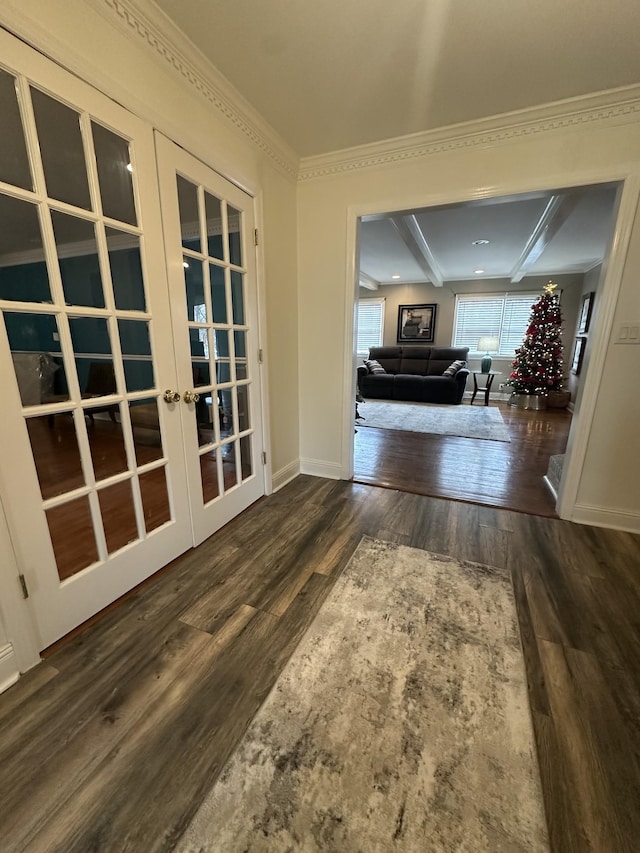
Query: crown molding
143	21
616	106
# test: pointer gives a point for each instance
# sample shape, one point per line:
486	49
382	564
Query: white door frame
599	335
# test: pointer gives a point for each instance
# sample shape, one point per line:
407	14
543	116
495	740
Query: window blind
370	325
505	316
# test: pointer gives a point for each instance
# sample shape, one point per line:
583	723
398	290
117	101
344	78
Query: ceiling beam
367	281
410	231
557	211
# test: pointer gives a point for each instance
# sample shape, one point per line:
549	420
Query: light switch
628	333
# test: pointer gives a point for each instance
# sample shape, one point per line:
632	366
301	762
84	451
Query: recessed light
480	243
395	276
478	272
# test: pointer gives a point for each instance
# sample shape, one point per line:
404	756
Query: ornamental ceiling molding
619	106
142	20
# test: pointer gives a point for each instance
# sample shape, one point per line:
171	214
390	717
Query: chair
100	382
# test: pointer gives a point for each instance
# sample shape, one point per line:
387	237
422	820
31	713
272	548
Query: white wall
595	149
590	284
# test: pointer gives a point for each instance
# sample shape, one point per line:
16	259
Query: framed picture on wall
578	355
585	313
416	324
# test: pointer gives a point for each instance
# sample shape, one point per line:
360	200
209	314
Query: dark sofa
414	373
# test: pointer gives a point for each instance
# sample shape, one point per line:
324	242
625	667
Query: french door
103	462
209	230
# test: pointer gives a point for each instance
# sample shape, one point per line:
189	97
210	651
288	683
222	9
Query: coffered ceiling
331	74
542	233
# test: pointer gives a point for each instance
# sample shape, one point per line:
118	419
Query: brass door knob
171	396
190	397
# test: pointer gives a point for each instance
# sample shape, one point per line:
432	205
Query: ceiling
540	233
332	74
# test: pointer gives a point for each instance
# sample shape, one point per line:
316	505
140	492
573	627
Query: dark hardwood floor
492	473
113	741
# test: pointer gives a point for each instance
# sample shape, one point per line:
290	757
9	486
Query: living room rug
439	419
401	723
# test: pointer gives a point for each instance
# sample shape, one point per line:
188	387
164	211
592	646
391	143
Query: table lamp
486	345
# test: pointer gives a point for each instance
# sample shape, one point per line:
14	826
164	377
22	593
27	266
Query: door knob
190	397
171	396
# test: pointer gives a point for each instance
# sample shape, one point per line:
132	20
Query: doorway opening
474	270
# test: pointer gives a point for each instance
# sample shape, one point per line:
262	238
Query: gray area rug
465	421
401	723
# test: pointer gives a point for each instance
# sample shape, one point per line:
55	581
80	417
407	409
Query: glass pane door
214	306
96	489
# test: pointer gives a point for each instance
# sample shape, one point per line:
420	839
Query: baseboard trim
600	517
285	475
9	672
319	468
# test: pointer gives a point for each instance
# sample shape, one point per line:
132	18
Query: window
503	315
200	316
370	325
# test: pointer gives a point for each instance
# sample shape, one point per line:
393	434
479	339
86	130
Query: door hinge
256	240
23	584
264	457
259	356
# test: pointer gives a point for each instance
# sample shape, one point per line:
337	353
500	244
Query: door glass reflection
126	270
54	445
37	360
136	354
72	536
189	219
106	441
243	407
194	287
229	469
234	221
145	423
246	466
155	498
14	162
62	150
237	297
221	346
22	282
209	475
200	370
218	294
240	348
225	406
118	515
206	412
213	212
114	174
78	259
94	361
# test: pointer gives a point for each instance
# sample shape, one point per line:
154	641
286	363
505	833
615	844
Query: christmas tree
537	367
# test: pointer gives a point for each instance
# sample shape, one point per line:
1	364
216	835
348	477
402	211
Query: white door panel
209	228
92	473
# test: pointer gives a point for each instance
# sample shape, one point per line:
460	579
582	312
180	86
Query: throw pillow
374	366
453	368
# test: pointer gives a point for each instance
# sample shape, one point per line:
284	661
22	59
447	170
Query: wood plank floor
492	473
113	741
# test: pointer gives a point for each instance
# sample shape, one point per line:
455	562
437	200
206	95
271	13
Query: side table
486	389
